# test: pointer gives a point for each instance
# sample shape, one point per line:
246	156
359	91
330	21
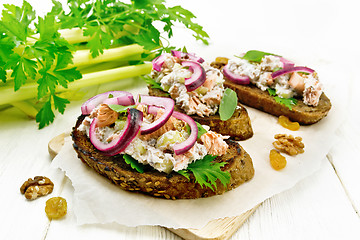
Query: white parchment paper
97	200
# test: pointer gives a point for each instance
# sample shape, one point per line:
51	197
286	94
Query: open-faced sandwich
143	145
199	92
275	85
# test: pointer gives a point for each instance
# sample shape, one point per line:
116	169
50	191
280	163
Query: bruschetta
198	91
143	145
275	85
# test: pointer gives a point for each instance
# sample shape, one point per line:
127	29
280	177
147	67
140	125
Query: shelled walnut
37	187
289	144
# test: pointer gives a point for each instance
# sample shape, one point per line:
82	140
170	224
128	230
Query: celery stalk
29	90
83	57
26	107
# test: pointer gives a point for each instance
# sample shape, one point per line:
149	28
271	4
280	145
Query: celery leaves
206	172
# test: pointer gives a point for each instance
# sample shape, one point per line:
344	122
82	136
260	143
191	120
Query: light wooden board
220	229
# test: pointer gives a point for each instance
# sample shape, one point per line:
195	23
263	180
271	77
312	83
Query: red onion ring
120	97
183	147
168	105
198	76
239	79
119	144
158	62
187	56
121	100
290	70
286	63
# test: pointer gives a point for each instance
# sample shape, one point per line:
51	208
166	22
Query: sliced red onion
236	78
290	70
187	56
122	98
158	62
168	105
125	100
198	75
119	144
286	63
186	145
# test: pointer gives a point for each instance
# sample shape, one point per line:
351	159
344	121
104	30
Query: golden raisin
56	207
277	160
286	123
222	60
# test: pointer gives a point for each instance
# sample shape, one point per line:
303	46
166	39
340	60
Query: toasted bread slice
238	127
159	184
252	96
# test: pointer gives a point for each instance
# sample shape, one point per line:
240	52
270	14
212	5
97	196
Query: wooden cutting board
220	229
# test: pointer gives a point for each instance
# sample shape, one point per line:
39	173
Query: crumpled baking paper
97	200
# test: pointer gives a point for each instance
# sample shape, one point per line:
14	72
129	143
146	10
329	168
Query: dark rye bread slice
252	96
159	184
238	127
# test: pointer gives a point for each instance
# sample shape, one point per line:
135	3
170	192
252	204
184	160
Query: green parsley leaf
133	163
153	84
22	67
149	38
120	108
6	46
228	104
60	103
206	172
64	76
45	116
16	20
271	91
288	102
99	41
255	56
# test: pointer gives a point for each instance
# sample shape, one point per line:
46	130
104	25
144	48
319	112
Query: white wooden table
325	205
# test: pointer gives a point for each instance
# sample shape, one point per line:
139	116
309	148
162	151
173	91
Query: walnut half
289	144
37	187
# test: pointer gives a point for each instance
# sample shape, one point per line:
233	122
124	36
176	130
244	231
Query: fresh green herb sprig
39	55
206	172
288	102
103	20
255	55
133	163
153	84
120	108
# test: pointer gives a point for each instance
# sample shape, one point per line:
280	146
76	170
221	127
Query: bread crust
238	127
159	184
252	96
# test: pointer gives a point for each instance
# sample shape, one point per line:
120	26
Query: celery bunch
96	42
